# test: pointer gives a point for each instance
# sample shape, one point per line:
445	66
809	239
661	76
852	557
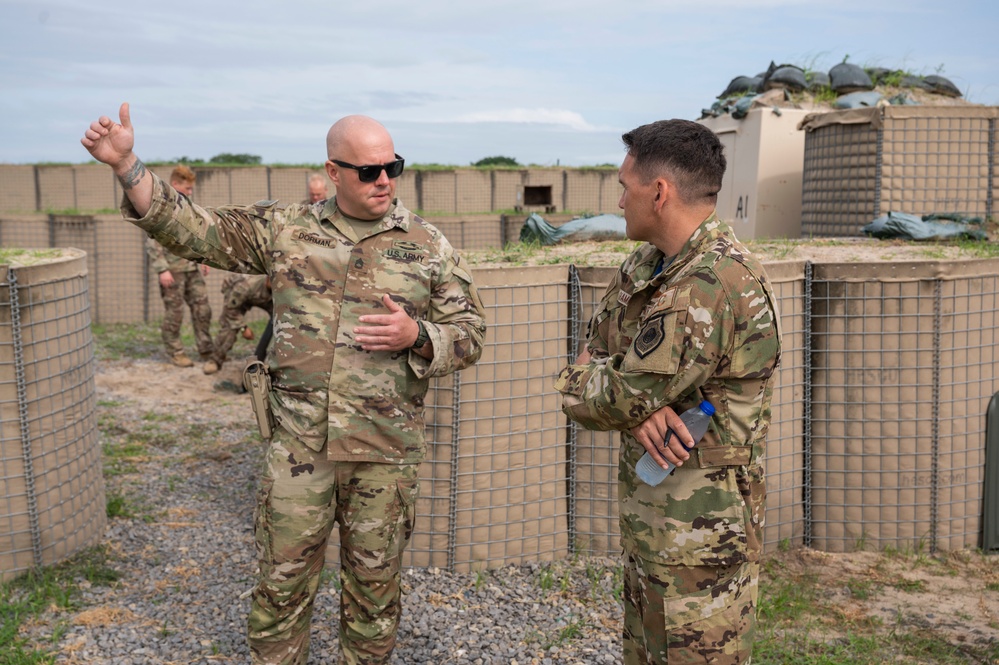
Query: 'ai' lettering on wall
742	209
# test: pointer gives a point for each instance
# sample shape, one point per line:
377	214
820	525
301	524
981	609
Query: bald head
356	134
352	143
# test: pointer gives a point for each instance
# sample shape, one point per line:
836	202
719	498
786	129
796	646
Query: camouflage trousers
301	495
680	615
187	287
231	322
237	303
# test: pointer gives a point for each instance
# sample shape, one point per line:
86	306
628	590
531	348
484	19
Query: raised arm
111	143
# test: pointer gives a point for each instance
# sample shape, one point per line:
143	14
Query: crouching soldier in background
241	293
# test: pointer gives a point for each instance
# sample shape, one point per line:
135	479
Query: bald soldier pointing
370	301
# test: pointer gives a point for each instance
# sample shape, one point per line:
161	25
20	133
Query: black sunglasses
370	172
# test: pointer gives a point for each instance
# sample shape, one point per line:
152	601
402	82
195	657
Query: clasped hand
653	432
394	331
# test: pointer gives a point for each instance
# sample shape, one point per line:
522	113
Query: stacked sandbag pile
846	85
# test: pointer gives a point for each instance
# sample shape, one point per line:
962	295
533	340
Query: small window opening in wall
538	195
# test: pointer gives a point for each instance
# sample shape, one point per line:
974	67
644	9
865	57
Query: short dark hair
687	153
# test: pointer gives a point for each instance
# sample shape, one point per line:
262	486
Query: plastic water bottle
696	420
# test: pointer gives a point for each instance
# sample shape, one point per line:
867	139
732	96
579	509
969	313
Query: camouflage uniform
705	327
241	293
188	286
350	422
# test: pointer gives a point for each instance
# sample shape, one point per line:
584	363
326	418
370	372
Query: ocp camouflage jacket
368	406
705	327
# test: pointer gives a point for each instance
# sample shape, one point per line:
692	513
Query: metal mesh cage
864	163
51	487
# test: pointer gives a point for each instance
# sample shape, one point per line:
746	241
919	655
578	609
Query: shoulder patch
266	203
651	336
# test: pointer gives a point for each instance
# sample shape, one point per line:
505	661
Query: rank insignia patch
651	336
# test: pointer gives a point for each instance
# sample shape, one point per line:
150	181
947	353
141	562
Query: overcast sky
544	81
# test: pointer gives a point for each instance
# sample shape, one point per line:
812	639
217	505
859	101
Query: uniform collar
396	217
648	255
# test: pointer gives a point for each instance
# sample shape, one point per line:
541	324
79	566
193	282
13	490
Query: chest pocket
659	339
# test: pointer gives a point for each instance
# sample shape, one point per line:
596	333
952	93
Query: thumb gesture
108	141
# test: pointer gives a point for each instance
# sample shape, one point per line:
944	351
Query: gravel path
186	561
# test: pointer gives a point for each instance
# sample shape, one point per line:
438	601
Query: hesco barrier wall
124	288
904	366
92	187
51	483
863	163
877	437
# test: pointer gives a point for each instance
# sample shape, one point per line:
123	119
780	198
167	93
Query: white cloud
568	119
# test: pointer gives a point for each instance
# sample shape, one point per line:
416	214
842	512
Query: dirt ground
952	594
156	383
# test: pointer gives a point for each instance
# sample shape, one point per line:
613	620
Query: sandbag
817	80
902	99
941	85
598	227
788	77
742	84
910	81
846	77
928	227
859	99
878	74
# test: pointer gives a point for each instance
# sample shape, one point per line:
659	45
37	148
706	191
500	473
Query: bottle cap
707	408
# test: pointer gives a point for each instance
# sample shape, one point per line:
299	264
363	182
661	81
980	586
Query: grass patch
120	458
808	619
118	505
115	341
982	249
28	596
27	257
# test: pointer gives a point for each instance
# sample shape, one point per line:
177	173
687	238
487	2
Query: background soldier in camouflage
182	281
370	301
317	189
690	316
241	293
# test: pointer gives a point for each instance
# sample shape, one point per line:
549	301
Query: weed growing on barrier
27	257
984	249
778	248
28	596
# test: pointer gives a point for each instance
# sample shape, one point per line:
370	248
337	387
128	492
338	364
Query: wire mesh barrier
904	365
877	437
51	487
124	288
91	188
863	163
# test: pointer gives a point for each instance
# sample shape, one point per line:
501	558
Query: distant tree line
223	158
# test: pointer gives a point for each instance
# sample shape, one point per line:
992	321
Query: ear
333	172
662	192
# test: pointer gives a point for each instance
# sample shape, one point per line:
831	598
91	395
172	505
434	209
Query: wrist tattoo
133	176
